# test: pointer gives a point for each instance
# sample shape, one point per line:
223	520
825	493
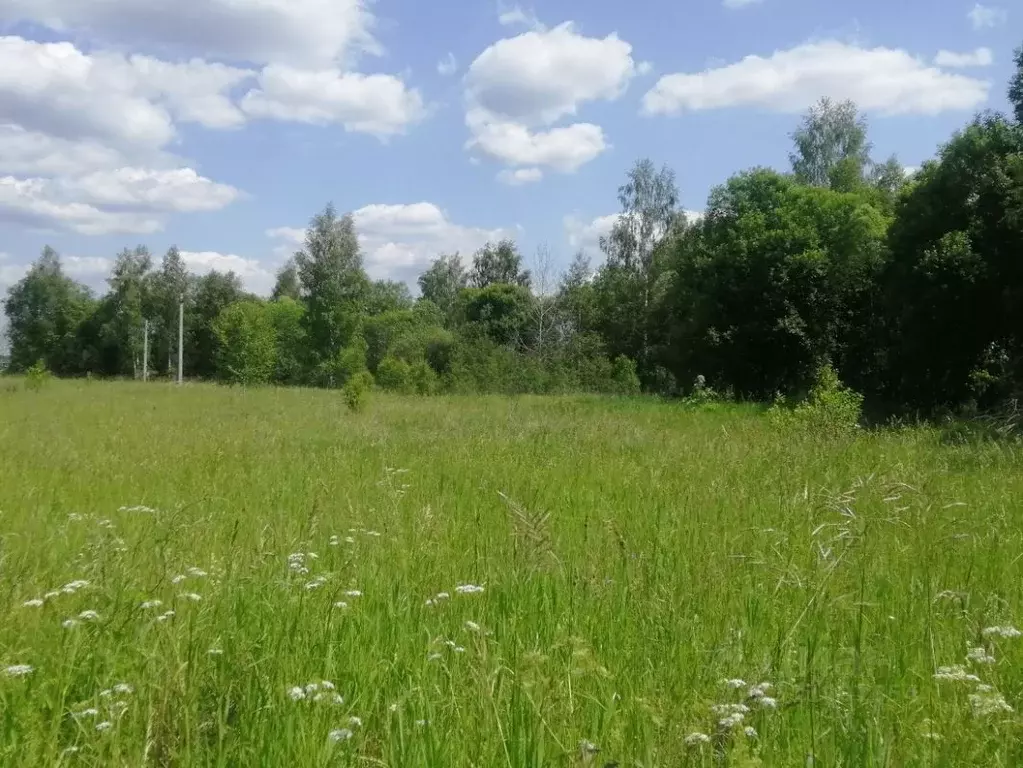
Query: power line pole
181	337
145	354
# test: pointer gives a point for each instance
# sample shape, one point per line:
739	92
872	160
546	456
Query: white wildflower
731	721
74	516
87	712
179	578
165	616
190	596
316	583
105	523
353	593
767	702
106	725
340	734
979	655
33	603
338	699
88	616
341	604
955	673
124	688
588	748
472	626
312	687
434	657
735	683
70	750
215	652
354	721
51	595
694	739
445	596
729	709
69	623
468	589
73	586
151	604
334	541
1007	632
19	670
750	732
429	602
458	649
986	703
326	685
296	693
197	573
760	690
422	723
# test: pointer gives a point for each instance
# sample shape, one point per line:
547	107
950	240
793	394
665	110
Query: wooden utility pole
145	353
181	337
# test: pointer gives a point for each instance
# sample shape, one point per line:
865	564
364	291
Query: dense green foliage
628	557
909	288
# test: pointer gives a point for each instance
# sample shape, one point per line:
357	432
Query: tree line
908	285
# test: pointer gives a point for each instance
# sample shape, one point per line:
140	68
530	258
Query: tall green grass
633	556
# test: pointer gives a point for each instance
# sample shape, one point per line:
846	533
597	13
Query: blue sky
222	126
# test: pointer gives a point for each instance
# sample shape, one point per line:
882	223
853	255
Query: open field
291	542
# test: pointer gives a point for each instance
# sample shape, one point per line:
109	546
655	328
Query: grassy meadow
208	576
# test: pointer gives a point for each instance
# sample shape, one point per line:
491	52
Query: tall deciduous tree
246	351
650	212
44	310
170	285
831	146
210	294
1016	87
131	301
334	284
443	281
499	263
287	283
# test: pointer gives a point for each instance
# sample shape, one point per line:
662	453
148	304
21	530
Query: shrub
356	391
37	376
394	375
423	378
830	408
624	380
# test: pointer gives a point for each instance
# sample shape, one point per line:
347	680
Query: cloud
32	153
255	276
120	102
564	149
179	189
521	84
377	104
516	15
305	33
877	79
982	57
585	235
734	4
448	65
399	241
33	203
519	176
984	17
541	76
105	202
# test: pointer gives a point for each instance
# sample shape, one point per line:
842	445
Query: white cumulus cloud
377	104
300	32
883	80
399	241
36	203
523	84
448	65
256	276
982	57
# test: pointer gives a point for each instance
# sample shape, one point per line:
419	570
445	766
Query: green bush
423	378
624	380
394	375
356	391
829	409
37	376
